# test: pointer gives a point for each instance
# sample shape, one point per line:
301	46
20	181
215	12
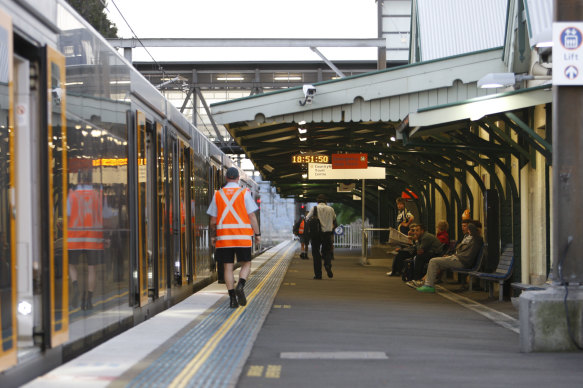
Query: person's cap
321	198
232	173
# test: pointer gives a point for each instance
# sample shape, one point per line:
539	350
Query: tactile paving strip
213	353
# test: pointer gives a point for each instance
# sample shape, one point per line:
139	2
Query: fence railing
352	236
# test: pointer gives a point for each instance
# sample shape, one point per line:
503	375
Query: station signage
325	171
349	161
568	53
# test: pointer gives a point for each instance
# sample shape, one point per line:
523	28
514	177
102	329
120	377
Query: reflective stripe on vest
233	225
85	227
301	228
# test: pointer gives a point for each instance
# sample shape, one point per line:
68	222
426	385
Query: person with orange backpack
300	230
232	226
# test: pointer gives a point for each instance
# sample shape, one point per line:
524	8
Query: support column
382	51
547	322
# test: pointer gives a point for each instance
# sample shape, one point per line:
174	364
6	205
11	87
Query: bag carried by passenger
314	226
408	270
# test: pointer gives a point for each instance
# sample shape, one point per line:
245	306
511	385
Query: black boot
233	299
74	294
240	293
88	305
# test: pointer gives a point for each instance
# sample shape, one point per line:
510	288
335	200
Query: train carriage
104	187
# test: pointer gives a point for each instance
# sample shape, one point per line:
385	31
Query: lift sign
567	53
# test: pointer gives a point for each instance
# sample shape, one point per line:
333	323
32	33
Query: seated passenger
404	253
442	234
464	257
428	246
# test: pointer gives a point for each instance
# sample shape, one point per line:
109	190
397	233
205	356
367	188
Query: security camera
57	95
309	93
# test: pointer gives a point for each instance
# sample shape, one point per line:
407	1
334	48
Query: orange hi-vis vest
85	228
233	225
301	227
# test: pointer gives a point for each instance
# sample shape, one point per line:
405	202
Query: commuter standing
404	217
300	230
322	240
85	235
232	225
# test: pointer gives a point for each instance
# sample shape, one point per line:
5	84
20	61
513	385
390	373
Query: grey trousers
440	263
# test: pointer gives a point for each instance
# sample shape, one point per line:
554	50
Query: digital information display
310	158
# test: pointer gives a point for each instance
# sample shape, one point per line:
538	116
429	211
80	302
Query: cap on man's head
321	198
232	173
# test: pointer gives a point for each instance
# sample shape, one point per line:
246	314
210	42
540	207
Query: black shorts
227	255
92	256
304	238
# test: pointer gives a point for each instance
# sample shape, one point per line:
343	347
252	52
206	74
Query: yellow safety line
194	365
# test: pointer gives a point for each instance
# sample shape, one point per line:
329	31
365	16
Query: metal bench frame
501	274
475	268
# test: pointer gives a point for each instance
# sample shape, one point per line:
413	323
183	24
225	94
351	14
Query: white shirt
250	204
326	215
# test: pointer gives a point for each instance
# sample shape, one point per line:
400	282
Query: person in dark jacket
404	253
428	246
464	257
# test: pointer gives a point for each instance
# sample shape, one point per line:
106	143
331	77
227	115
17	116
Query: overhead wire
135	35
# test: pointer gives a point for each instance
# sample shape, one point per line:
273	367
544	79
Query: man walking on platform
322	238
232	226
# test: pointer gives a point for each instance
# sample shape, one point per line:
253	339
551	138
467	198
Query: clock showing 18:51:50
314	158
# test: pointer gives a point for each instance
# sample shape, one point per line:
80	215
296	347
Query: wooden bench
501	274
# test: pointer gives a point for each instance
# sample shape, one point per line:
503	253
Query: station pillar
552	320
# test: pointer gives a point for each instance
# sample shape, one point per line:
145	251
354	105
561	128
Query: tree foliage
345	214
93	12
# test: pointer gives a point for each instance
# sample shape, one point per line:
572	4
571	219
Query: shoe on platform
329	272
318	277
240	294
427	289
233	303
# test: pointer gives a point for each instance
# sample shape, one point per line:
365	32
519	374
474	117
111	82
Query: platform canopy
419	121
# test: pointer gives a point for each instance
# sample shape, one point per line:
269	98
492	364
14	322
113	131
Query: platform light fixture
501	80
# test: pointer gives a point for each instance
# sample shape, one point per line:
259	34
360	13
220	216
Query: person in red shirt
442	234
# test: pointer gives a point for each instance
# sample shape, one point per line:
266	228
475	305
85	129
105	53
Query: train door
192	216
162	263
57	320
184	177
174	203
7	200
145	248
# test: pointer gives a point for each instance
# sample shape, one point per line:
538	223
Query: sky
300	19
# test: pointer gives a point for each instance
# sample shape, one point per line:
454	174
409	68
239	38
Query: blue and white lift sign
567	53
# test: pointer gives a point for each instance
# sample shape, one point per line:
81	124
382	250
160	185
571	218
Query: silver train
104	187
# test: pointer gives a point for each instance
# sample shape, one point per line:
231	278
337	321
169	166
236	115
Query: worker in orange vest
85	235
232	225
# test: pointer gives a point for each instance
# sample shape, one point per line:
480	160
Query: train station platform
357	329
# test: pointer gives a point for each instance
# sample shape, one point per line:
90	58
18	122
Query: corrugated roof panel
539	14
452	27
